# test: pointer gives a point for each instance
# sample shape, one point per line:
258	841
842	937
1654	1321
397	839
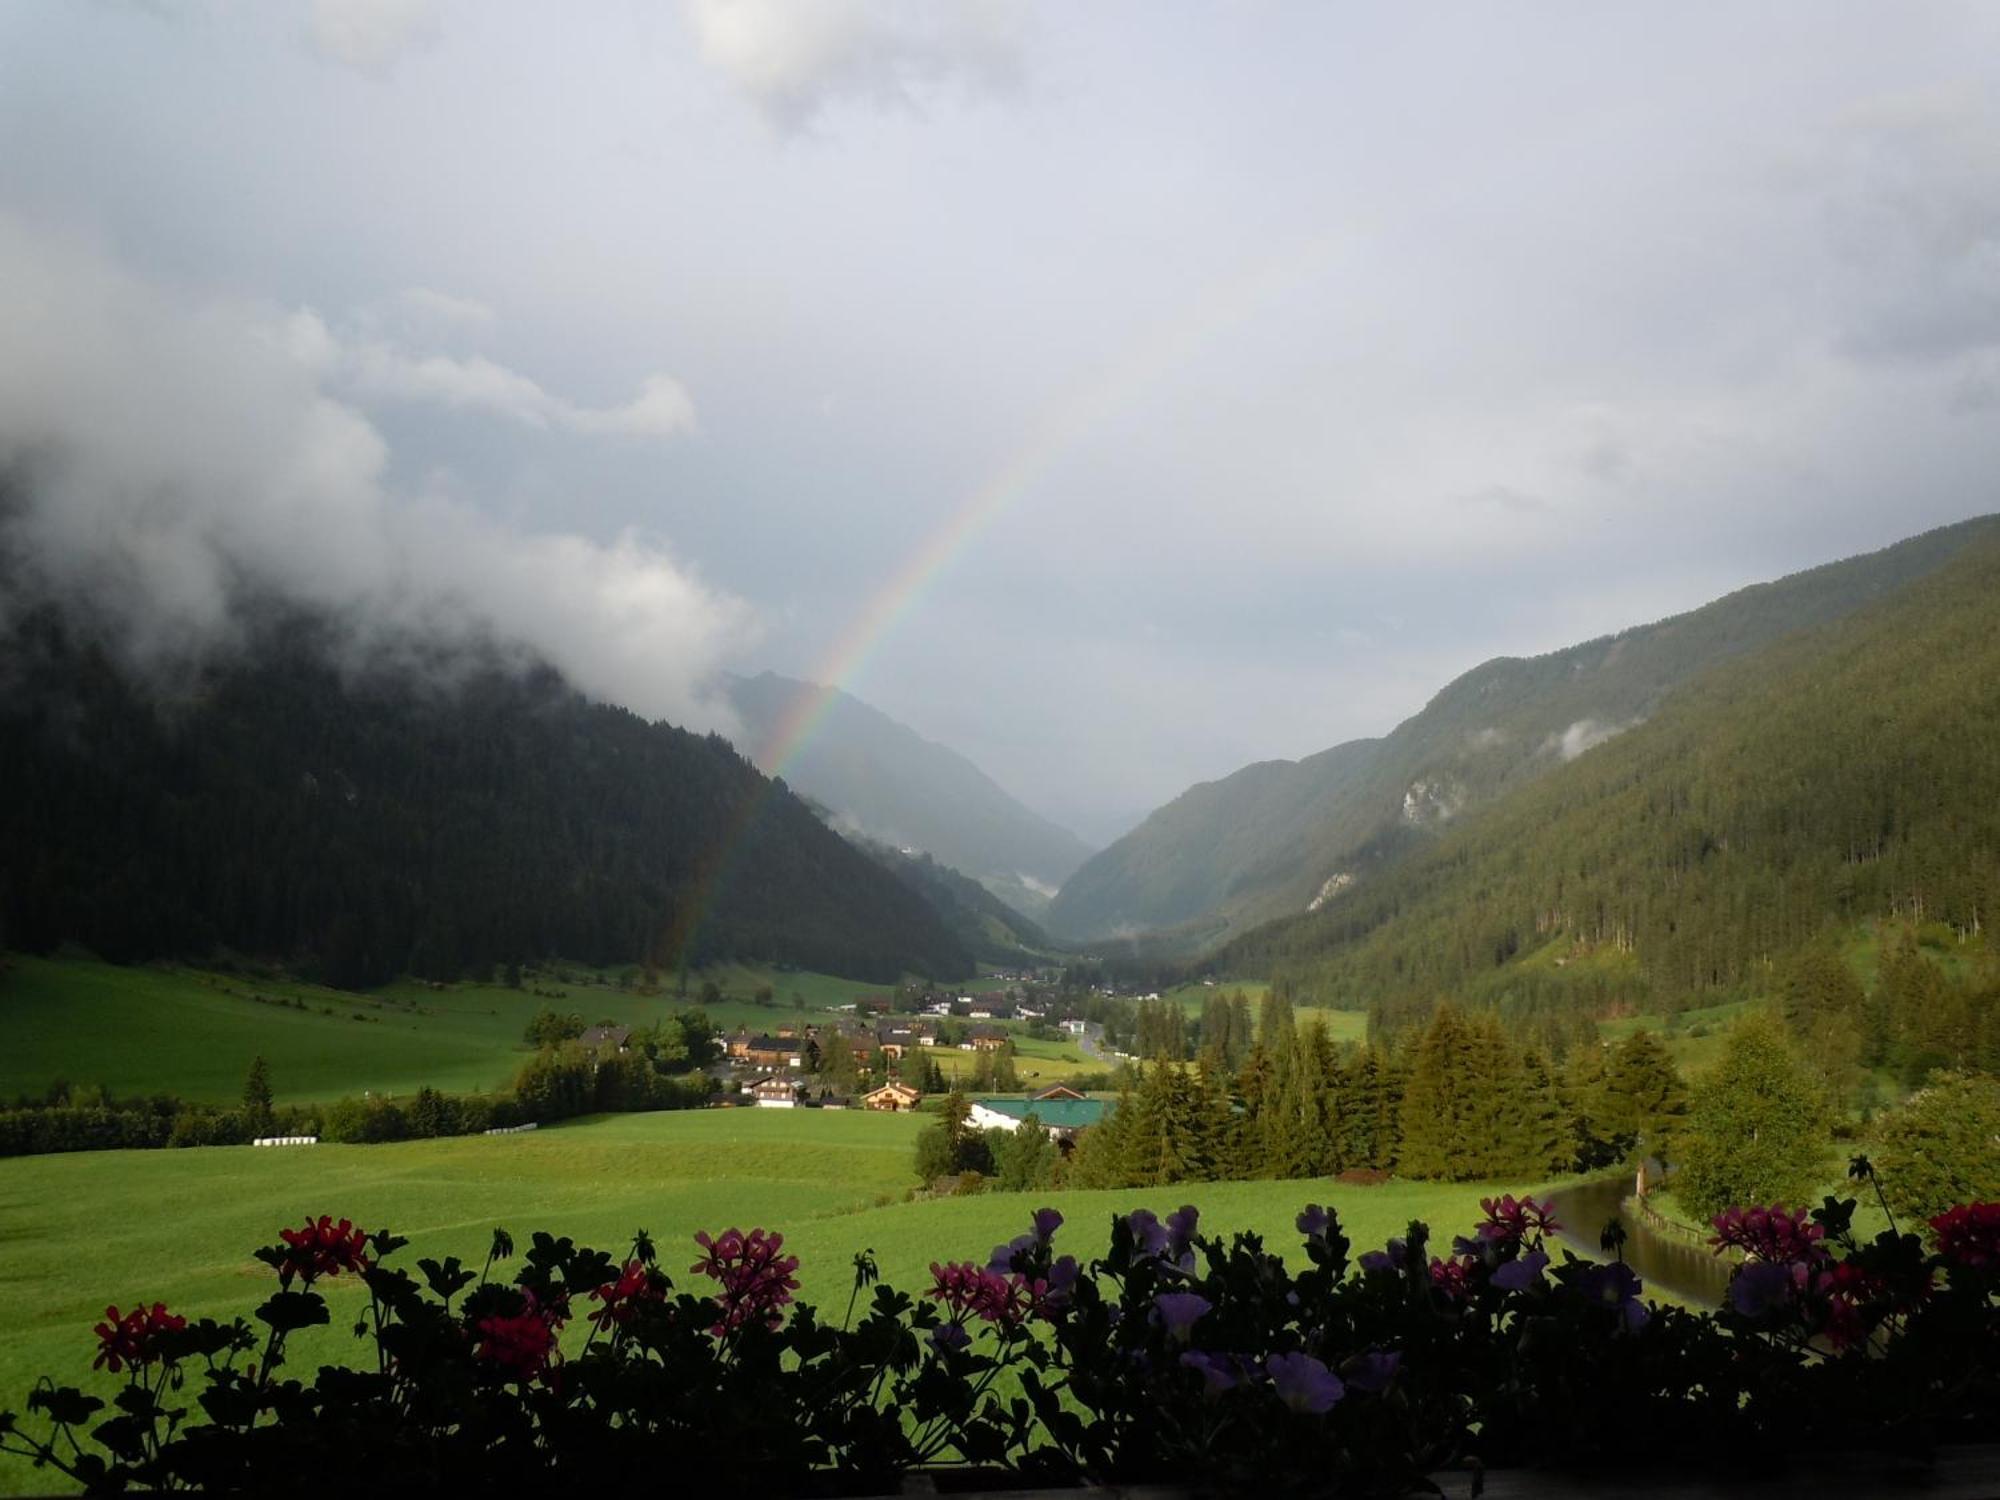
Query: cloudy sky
1177	385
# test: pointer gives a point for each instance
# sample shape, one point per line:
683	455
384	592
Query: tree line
436	817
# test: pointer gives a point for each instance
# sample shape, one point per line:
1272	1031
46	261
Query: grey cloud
370	34
793	61
441	310
1504	497
175	453
379	370
1913	219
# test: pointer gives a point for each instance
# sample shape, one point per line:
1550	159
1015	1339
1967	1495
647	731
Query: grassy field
1694	1038
82	1230
1192	997
149	1028
1341	1025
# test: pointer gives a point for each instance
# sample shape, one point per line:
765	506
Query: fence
511	1129
286	1140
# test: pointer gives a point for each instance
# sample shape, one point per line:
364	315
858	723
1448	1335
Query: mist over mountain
1282	837
884	780
434	811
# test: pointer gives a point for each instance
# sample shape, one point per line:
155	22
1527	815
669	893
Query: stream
1665	1264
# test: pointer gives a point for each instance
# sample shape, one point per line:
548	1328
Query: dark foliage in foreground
1179	1357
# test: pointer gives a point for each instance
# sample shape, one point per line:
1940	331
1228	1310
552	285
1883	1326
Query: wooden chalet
892	1096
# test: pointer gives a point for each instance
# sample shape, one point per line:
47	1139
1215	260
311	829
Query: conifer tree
1435	1114
1756	1133
257	1095
1644	1103
1585	1074
1543	1131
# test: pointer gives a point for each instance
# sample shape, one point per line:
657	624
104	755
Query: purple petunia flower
1303	1383
1392	1258
1314	1221
1047	1222
1177	1312
1219	1372
1760	1287
1372	1371
1002	1259
1522	1272
1149	1235
1616	1286
949	1338
1180	1236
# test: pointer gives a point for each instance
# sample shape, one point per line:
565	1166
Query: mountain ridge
1347	814
886	781
367	820
1844	773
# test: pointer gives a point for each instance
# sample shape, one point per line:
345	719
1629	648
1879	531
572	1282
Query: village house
770	1054
605	1039
895	1097
776	1093
1063	1117
984	1039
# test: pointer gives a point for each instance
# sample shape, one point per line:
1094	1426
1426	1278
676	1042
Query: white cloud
444	311
371	34
793	60
175	455
375	369
1584	734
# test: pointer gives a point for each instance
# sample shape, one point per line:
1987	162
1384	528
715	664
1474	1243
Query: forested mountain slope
991	930
1271	840
366	824
886	781
1843	772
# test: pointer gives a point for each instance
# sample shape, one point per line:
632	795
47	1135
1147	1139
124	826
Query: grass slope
80	1231
142	1029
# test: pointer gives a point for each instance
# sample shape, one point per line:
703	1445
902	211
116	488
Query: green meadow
153	1028
83	1230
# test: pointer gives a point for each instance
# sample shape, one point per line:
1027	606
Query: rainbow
1168	347
1061	428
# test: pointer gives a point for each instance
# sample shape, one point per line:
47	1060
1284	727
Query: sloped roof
1057	1114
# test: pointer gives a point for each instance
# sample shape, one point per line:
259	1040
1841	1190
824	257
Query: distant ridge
1274	838
1846	773
884	780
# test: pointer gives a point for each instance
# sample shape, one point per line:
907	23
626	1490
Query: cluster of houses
794	1048
794	1093
768	1066
1061	1109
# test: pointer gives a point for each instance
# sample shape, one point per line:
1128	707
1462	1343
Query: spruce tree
1645	1102
1434	1113
257	1095
1757	1132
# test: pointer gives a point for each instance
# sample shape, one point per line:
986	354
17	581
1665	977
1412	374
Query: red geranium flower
1776	1234
129	1340
322	1248
635	1284
756	1280
1452	1277
969	1290
1510	1220
521	1345
1969	1235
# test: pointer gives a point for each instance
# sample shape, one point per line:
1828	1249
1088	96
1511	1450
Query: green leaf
286	1312
64	1404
